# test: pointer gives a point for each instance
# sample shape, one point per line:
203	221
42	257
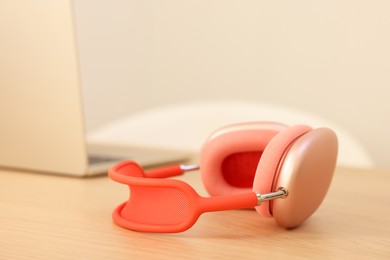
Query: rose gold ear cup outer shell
306	171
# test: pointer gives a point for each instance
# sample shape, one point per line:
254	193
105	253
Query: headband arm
170	171
228	202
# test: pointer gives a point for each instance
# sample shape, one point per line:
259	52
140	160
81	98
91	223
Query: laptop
41	110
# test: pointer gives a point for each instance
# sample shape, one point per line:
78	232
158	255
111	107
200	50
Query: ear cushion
270	160
230	150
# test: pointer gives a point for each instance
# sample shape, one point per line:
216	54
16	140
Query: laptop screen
41	115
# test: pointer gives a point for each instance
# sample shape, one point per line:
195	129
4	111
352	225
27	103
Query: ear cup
270	160
230	156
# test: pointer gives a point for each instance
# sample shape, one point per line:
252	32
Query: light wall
331	58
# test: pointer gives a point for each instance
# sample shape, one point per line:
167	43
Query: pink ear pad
229	158
269	162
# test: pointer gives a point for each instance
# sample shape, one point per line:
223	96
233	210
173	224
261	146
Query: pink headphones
283	172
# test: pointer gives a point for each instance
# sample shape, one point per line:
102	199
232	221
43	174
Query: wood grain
54	217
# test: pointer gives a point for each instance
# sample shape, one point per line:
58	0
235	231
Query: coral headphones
242	166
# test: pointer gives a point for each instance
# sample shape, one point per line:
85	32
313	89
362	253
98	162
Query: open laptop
41	112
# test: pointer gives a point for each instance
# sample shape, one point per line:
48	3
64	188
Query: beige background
331	58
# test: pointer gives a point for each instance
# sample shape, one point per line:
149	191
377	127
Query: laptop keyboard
94	159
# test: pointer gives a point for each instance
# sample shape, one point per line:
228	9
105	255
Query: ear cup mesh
157	206
239	169
270	160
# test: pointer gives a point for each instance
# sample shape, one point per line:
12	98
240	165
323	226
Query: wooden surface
54	217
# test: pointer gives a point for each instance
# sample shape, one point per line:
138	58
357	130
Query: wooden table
55	217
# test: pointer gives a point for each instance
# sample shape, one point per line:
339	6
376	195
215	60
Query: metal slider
187	168
281	193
